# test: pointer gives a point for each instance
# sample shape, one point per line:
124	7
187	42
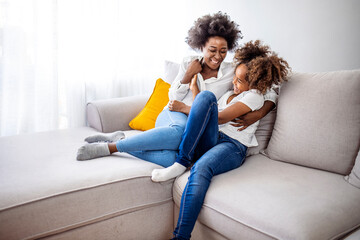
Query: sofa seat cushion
44	190
277	200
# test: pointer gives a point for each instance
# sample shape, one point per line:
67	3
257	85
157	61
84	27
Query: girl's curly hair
265	68
218	24
263	72
249	51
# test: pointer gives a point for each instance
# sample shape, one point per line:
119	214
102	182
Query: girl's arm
246	120
233	111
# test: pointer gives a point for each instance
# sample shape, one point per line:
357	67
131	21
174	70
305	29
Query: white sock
106	137
161	175
94	150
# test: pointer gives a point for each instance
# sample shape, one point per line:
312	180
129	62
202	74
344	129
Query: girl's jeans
160	144
215	153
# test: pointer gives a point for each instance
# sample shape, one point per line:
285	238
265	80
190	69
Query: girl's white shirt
254	100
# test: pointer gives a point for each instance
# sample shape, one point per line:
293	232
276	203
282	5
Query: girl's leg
201	133
221	158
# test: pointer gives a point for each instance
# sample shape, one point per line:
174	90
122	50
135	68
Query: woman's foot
106	137
161	175
94	150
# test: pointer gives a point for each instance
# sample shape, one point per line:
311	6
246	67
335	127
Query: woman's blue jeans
214	153
160	144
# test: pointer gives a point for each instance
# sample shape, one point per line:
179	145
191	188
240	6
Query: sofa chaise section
46	193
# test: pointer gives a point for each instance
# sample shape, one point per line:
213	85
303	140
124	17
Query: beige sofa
304	185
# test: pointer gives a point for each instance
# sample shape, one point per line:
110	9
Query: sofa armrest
114	114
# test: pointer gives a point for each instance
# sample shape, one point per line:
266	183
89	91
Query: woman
214	35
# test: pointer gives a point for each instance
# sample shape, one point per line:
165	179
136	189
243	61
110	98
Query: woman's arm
178	106
247	119
180	87
193	69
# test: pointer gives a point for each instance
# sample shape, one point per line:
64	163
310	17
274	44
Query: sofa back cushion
318	121
263	133
354	177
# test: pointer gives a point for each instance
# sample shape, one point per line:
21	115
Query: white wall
312	35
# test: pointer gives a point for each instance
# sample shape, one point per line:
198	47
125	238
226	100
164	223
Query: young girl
215	148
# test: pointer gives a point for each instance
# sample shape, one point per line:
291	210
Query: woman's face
240	83
214	52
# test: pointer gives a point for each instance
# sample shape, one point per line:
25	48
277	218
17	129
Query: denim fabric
201	131
218	154
160	144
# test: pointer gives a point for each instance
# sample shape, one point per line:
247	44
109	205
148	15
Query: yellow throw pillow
145	120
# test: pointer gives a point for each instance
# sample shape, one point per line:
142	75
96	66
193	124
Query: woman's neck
208	72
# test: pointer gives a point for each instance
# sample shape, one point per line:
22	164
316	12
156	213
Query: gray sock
106	137
94	150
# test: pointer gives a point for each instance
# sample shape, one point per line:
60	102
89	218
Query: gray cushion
44	190
272	199
354	177
318	121
263	133
110	115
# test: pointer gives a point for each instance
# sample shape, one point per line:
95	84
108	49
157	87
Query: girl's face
214	52
240	83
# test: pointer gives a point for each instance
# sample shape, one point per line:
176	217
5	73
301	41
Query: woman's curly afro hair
265	68
218	24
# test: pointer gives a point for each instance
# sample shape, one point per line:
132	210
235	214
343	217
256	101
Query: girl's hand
246	120
178	106
194	68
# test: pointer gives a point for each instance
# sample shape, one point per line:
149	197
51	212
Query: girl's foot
106	137
94	150
161	175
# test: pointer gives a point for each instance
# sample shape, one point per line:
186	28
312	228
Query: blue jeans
215	152
160	144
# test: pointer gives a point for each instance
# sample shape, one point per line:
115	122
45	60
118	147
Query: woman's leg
201	133
165	136
164	158
222	158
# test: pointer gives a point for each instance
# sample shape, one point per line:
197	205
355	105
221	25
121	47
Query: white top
254	100
218	85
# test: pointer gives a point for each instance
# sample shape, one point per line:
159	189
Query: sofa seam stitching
95	220
71	191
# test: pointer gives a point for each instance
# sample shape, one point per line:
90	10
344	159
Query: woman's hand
178	106
194	68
